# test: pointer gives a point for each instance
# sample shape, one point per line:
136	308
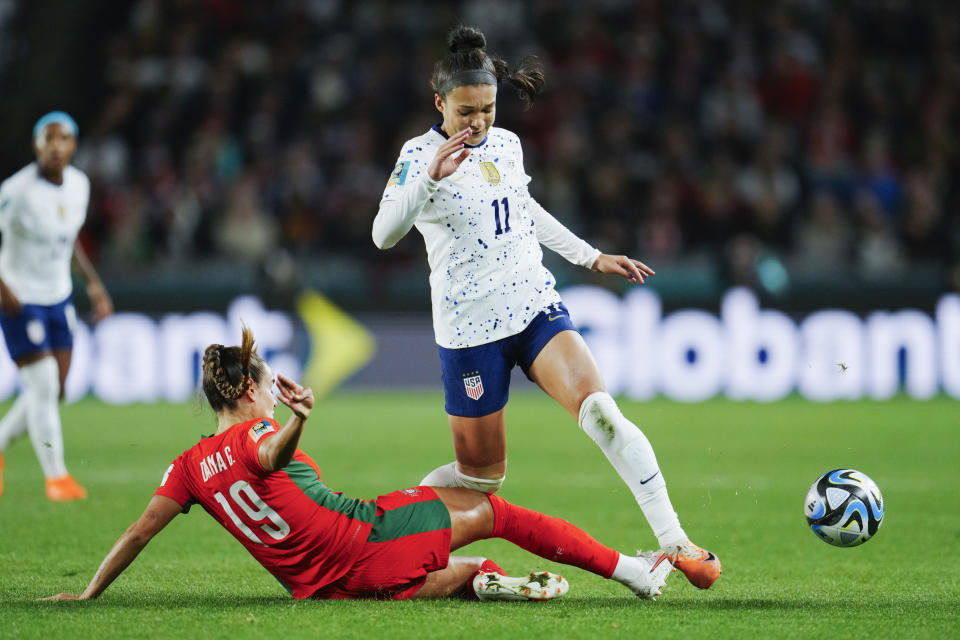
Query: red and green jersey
303	533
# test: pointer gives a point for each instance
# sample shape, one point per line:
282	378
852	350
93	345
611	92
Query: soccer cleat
540	585
651	571
701	567
64	488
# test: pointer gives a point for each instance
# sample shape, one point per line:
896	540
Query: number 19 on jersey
256	509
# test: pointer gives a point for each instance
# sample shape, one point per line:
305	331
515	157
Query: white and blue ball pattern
844	507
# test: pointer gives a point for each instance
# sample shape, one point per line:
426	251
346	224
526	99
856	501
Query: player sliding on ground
251	477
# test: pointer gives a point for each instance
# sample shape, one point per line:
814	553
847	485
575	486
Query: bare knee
583	394
480	444
471	516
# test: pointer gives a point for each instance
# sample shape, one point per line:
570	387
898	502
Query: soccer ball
844	507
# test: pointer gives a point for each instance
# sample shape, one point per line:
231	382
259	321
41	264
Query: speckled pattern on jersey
487	279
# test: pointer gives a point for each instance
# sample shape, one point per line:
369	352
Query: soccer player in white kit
42	208
463	186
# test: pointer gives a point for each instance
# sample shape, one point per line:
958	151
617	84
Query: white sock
444	476
449	475
41	388
630	453
483	485
625	570
14	422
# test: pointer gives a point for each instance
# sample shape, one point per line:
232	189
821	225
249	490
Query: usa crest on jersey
490	173
473	386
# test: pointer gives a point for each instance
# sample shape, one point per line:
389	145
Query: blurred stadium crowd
821	135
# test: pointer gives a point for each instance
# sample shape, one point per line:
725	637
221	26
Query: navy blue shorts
476	380
39	327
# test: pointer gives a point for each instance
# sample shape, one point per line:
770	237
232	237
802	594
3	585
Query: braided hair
468	53
229	371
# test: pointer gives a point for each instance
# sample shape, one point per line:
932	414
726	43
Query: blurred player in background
463	185
251	477
42	208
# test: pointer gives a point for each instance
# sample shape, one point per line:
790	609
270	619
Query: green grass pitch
737	474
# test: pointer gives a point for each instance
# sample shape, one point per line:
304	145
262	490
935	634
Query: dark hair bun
465	39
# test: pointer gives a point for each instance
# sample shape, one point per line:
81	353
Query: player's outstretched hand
100	301
622	265
61	597
295	396
449	157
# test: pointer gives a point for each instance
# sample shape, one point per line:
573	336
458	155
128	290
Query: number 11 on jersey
506	215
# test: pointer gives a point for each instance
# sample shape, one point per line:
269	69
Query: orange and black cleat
701	567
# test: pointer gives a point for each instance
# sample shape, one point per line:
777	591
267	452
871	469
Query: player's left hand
295	396
622	265
61	597
100	301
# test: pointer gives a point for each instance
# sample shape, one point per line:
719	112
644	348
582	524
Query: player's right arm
158	514
397	216
277	451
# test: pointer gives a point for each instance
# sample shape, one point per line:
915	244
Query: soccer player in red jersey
251	477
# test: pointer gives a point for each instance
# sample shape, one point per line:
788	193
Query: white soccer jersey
40	221
482	232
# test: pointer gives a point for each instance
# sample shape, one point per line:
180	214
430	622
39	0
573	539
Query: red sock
551	538
488	566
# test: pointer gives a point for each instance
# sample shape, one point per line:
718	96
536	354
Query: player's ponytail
229	371
246	350
528	78
469	63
